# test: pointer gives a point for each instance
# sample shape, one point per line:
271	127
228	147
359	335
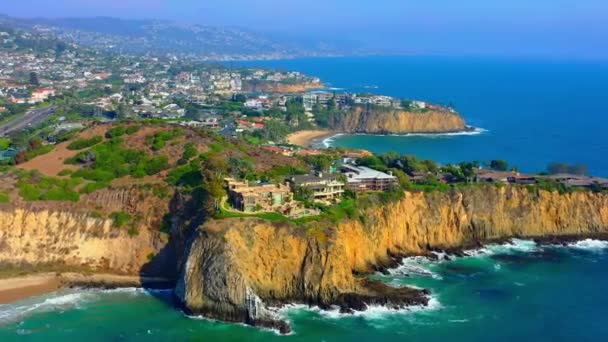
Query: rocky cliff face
360	120
235	266
77	235
275	87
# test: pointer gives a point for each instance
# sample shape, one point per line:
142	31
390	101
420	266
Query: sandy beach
306	138
14	289
19	288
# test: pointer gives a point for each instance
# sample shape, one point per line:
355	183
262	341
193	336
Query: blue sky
571	28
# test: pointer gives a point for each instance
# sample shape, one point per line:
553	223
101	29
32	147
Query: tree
499	165
577	169
555	168
34	143
34	79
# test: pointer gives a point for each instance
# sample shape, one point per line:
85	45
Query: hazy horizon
549	28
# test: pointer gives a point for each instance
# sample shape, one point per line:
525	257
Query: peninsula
171	203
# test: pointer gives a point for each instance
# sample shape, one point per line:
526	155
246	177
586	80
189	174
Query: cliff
236	267
359	120
81	236
277	87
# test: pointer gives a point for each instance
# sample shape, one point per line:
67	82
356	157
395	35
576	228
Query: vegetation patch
81	144
4	197
111	160
120	219
159	140
40	188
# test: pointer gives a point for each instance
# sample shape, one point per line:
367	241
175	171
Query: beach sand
306	138
15	289
19	288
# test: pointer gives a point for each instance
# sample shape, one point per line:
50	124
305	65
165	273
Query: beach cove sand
307	138
23	287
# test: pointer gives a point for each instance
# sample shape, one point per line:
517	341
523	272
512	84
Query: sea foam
590	245
328	142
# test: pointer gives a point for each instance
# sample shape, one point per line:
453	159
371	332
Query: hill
159	37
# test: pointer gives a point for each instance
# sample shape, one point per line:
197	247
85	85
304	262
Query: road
31	118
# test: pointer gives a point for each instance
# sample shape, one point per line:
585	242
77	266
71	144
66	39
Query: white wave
458	320
417	265
514	246
10	313
373	312
473	131
590	244
327	142
63	300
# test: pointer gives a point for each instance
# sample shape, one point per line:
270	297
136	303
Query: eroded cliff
82	235
360	120
235	267
277	87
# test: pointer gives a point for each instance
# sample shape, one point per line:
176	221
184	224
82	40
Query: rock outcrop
360	120
236	267
278	87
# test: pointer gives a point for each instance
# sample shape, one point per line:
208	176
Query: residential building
40	95
362	178
325	187
266	197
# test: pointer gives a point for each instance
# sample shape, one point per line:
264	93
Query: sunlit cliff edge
231	269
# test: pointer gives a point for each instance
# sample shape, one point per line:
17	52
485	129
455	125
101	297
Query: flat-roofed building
325	187
362	178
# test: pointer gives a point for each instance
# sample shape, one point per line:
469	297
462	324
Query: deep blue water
535	112
519	292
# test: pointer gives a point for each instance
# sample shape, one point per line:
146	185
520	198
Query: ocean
528	112
510	292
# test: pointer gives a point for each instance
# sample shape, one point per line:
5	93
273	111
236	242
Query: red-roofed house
40	95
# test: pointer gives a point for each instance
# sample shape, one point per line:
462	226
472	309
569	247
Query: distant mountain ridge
166	37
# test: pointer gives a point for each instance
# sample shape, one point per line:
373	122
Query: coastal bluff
397	121
236	268
278	87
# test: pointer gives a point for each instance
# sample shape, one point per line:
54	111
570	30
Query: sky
569	28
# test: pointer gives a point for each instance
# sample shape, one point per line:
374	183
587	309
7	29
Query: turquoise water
534	112
501	293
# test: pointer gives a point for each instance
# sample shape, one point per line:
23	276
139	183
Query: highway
31	118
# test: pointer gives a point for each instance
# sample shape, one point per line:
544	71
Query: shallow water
499	293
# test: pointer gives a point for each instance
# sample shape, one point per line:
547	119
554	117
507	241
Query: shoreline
23	287
309	137
322	138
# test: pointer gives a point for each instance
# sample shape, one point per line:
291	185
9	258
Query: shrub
120	219
65	172
156	164
159	140
115	132
4	197
132	129
92	187
31	154
80	144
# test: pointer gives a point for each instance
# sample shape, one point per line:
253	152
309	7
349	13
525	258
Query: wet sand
15	289
306	138
19	288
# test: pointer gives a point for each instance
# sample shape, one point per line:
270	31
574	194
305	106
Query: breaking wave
328	142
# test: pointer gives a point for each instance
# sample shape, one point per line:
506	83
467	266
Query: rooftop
357	173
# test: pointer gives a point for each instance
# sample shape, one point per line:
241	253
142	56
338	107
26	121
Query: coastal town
50	90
